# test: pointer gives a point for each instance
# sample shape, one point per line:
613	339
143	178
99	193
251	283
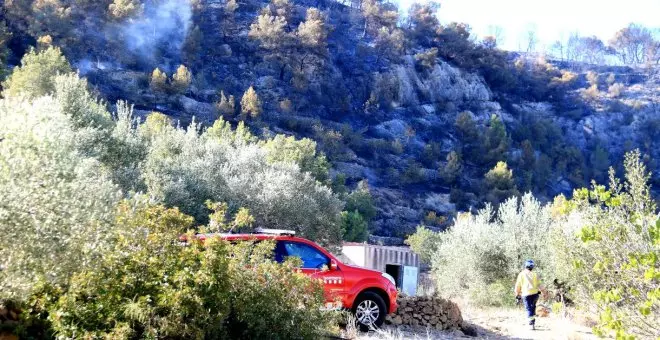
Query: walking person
528	288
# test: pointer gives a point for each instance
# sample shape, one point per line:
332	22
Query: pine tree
36	75
528	158
500	183
181	79
496	141
453	168
467	127
158	81
251	104
121	9
353	226
226	105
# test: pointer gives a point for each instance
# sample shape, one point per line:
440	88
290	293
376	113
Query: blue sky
552	20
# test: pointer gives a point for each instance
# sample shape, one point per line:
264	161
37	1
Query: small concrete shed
398	261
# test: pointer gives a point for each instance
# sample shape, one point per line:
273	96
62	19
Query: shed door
410	280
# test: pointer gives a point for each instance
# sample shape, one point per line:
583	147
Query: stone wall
434	312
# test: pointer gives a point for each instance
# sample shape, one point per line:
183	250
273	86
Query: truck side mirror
333	265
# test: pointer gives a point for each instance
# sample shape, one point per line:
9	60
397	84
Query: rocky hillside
416	109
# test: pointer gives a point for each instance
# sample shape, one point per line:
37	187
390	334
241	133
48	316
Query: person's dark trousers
530	306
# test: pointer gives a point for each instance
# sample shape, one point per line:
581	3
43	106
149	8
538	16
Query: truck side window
311	257
280	252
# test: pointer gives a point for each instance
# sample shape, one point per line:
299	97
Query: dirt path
495	324
512	324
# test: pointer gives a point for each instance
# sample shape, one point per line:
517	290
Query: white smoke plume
164	24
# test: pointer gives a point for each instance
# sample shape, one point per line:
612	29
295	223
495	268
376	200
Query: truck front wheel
369	310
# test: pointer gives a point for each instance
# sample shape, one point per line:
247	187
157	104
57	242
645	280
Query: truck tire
369	310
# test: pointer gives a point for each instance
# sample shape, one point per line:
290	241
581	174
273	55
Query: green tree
362	201
479	256
354	226
35	77
270	31
600	162
301	152
453	168
122	9
58	215
390	44
467	127
424	22
251	104
424	242
542	171
528	158
470	136
181	79
312	37
228	25
377	15
158	81
496	142
226	105
500	184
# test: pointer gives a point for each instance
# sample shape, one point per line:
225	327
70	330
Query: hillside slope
417	109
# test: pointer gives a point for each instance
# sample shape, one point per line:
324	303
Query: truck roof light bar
275	231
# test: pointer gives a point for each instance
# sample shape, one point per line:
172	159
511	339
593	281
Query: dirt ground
497	324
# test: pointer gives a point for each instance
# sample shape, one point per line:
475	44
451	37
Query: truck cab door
316	265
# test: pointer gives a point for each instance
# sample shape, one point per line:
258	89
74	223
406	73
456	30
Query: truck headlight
389	277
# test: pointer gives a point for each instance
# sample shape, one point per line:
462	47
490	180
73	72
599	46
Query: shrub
590	93
413	174
432	219
35	77
148	286
611	78
286	105
427	59
615	90
613	259
151	287
486	251
593	78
